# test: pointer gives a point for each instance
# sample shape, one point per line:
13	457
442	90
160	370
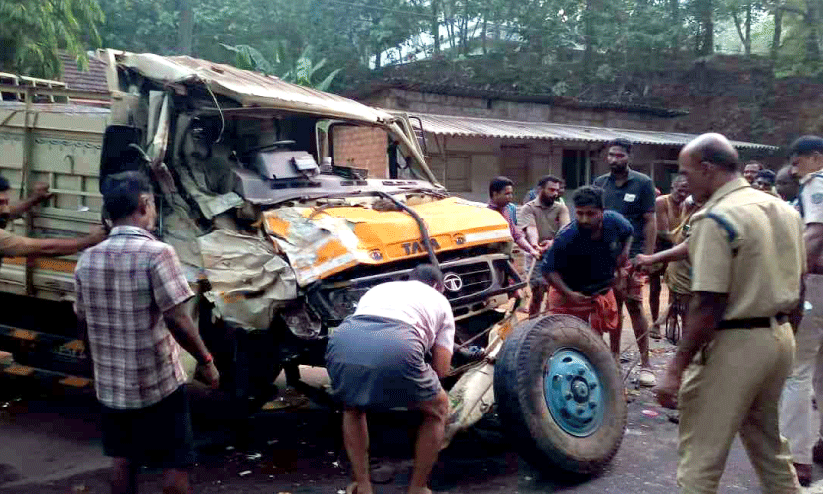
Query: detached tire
560	395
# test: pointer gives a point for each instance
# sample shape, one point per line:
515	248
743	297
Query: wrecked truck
280	229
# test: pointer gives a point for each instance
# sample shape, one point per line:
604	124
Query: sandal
352	488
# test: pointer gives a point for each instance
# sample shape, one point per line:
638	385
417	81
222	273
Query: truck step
46	378
45	350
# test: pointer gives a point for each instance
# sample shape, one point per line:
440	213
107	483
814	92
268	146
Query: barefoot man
376	361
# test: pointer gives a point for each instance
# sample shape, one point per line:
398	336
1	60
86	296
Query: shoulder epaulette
725	224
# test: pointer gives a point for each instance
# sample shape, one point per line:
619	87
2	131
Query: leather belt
752	322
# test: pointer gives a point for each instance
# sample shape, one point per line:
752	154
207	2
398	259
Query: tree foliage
578	42
32	32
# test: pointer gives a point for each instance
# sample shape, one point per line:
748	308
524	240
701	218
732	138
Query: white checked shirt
123	286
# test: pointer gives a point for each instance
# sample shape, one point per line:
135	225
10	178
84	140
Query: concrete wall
361	147
415	101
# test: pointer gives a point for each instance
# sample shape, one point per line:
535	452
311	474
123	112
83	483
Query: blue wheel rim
574	392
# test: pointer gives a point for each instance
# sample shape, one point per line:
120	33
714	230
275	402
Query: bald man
786	185
737	346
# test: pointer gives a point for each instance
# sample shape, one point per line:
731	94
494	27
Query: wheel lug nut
581	372
592	385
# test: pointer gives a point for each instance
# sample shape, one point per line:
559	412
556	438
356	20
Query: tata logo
417	247
452	282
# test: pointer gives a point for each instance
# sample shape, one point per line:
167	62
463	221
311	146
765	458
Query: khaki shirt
749	245
545	218
11	245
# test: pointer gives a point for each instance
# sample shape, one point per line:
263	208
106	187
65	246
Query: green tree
33	31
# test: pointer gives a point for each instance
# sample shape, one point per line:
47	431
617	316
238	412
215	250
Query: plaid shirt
123	286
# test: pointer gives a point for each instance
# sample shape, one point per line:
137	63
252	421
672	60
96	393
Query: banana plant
303	72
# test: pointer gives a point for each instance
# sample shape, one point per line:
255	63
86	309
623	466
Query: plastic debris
272	441
254	456
650	413
229	448
244	473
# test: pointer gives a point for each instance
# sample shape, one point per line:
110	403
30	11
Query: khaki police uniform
796	414
11	245
748	245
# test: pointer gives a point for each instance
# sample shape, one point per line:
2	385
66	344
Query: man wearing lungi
581	265
376	359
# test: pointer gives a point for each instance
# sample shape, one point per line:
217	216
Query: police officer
796	415
737	346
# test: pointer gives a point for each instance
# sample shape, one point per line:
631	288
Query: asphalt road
51	444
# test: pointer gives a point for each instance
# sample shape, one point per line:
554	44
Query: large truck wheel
559	394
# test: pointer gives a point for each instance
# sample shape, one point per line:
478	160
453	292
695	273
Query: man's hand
41	192
208	374
545	245
667	390
642	261
578	298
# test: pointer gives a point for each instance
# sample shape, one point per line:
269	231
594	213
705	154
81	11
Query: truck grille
467	279
468	282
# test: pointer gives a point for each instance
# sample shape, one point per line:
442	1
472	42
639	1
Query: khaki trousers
796	414
734	386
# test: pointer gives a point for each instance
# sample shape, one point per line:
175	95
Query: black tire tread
513	387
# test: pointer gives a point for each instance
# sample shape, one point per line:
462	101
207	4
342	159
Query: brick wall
469	106
361	147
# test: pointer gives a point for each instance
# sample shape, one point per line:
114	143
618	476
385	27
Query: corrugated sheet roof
509	129
250	89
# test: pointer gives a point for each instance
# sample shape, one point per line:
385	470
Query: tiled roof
92	80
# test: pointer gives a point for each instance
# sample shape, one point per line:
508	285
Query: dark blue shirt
633	199
587	265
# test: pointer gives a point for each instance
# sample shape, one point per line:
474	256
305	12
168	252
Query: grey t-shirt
634	199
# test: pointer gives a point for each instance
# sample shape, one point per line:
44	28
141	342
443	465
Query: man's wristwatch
207	360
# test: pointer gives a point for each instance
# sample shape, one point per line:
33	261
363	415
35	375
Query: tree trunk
706	27
483	36
435	26
377	58
778	31
748	43
588	32
464	31
185	31
674	12
813	38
